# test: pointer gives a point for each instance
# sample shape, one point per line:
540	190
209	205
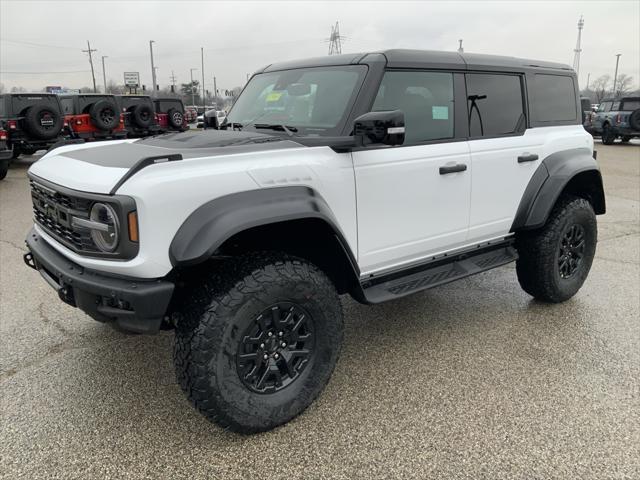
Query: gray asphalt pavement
471	380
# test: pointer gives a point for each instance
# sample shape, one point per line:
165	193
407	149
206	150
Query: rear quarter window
554	98
627	105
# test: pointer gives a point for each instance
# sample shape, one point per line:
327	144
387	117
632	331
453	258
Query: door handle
527	157
460	167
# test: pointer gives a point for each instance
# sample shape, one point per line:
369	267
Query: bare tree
624	83
18	90
600	87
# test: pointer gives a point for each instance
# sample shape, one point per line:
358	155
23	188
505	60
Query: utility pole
153	70
104	75
588	78
173	82
578	49
460	49
204	92
615	75
215	91
89	50
193	93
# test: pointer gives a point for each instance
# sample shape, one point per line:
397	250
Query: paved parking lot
467	381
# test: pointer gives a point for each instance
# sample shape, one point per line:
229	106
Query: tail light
3	135
12	124
157	118
618	118
78	121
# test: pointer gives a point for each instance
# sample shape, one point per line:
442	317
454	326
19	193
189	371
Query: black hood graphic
191	144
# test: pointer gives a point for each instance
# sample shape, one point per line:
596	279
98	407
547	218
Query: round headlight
106	239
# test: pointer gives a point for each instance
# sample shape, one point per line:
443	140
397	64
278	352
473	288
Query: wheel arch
573	171
294	219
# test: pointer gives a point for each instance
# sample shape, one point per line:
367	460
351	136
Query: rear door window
67	106
554	98
495	105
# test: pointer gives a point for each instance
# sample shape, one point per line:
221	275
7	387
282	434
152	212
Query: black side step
437	273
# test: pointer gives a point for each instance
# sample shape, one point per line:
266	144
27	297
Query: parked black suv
139	115
616	117
30	121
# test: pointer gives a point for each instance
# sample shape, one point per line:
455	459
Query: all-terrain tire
4	168
608	135
43	122
211	334
142	115
105	114
543	252
175	118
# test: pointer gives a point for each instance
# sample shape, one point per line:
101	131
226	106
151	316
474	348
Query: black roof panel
405	58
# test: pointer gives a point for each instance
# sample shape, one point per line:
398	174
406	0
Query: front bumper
133	304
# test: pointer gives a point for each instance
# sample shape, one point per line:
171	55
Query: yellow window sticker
274	97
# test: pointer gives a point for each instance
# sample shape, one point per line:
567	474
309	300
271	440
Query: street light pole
153	70
193	93
204	92
104	75
615	75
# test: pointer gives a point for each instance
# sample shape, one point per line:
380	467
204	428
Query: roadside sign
132	79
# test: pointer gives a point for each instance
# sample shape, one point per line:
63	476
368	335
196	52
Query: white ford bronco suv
375	175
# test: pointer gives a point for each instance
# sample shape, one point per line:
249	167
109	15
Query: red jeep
170	114
93	116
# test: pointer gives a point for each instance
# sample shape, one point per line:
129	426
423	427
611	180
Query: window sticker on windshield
440	113
274	96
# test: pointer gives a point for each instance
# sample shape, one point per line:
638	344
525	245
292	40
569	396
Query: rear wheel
43	122
608	135
258	340
625	139
555	260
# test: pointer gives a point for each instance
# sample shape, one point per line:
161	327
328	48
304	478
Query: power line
33	44
44	73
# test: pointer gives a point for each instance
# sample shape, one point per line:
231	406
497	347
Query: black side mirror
385	128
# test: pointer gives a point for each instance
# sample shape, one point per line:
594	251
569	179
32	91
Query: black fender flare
550	179
214	222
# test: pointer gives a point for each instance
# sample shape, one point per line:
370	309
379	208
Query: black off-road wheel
257	341
555	260
608	135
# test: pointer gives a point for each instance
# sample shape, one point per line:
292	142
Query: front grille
53	211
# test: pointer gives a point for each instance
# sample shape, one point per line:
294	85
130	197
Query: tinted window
67	105
604	107
426	98
2	106
616	106
554	98
495	104
630	105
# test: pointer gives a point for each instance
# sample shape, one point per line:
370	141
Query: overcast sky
41	41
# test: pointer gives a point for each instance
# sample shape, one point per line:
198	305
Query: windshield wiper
276	126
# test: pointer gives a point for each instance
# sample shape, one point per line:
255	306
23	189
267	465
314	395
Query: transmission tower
578	49
335	40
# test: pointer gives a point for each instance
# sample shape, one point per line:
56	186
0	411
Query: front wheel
4	168
555	260
257	342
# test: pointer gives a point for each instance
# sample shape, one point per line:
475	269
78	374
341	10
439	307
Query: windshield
313	100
